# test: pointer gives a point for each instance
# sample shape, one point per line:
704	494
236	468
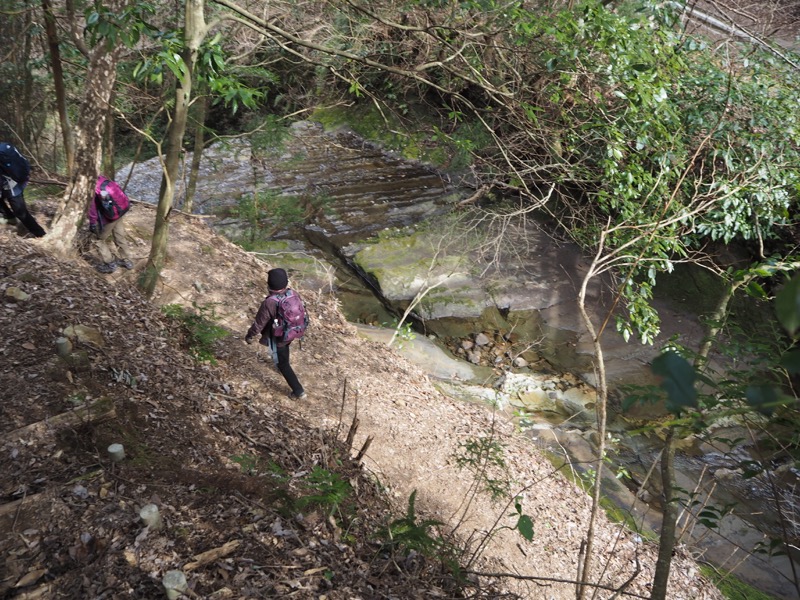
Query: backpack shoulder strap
102	189
274	300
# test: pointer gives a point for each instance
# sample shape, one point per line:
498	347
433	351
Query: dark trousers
14	207
285	368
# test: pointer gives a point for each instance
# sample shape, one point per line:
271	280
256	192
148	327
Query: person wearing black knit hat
267	325
277	280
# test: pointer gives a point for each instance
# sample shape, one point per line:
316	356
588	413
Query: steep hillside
251	485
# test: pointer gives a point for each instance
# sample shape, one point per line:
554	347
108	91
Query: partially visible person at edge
277	283
12	198
106	230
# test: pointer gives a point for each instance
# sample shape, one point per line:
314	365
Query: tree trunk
88	135
201	107
667	540
716	319
586	563
58	82
194	32
14	103
135	160
108	165
28	101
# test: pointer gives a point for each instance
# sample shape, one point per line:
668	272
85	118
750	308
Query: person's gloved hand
93	228
248	340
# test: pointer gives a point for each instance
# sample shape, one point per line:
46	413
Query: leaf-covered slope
229	458
227	469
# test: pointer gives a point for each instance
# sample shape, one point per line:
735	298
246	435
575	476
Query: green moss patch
732	587
368	122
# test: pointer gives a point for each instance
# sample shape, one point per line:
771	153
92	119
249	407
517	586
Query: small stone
64	346
151	517
116	452
520	362
16	294
174	584
482	339
725	474
85	334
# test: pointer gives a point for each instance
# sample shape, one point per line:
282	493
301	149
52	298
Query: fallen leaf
31	577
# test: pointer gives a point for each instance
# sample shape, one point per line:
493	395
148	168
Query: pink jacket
112	187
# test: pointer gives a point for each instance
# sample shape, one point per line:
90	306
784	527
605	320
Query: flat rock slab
533	293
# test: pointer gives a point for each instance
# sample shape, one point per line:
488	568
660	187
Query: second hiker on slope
280	319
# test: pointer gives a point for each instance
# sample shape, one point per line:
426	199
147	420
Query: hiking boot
302	396
125	263
107	267
10	221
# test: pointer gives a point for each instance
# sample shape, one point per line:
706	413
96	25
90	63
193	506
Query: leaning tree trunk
87	138
194	32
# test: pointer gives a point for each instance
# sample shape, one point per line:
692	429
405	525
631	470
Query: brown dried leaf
30	578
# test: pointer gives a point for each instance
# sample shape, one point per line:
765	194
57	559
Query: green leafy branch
200	327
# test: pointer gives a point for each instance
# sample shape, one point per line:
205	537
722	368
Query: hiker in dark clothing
266	319
14	171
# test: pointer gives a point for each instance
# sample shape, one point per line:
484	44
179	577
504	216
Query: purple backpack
291	321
